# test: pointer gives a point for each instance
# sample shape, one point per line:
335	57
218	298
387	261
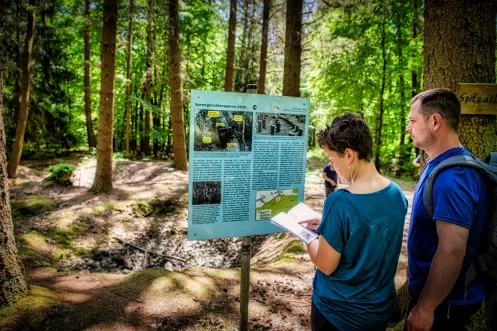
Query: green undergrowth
32	205
155	207
29	311
60	174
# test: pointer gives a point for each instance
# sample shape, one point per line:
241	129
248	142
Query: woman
360	235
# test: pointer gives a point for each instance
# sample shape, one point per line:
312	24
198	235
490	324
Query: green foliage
31	206
60	174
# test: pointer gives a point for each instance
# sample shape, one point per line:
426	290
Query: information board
247	162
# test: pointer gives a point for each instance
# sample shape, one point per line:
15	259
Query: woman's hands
311	224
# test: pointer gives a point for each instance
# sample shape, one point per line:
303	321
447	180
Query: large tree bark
148	76
89	124
261	87
179	142
12	282
459	47
103	176
128	72
230	55
22	118
293	48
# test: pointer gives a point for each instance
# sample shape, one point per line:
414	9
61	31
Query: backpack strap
454	161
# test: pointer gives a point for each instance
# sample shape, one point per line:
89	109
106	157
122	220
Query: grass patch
285	258
155	207
295	246
28	312
33	205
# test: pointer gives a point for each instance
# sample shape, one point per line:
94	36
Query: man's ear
437	121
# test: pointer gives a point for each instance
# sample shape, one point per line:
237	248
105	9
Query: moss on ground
155	207
31	206
296	247
29	311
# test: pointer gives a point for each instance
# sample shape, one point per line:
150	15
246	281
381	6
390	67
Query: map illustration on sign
219	130
271	203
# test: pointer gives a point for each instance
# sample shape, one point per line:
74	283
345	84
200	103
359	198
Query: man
330	178
437	259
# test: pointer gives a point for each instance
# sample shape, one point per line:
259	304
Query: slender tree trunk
471	59
403	156
169	135
22	119
179	142
293	48
414	73
103	176
230	55
148	76
89	124
381	110
128	72
261	87
13	285
240	81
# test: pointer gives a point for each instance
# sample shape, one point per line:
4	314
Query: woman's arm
324	257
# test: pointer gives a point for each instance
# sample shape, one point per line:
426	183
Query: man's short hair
442	101
348	131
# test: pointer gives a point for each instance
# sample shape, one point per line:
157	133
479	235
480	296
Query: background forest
358	56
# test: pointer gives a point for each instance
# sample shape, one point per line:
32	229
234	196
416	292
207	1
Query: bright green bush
60	174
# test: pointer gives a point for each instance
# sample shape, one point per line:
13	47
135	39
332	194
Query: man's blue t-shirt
331	173
367	230
459	197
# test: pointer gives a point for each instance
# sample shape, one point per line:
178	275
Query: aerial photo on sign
271	203
217	130
206	193
274	124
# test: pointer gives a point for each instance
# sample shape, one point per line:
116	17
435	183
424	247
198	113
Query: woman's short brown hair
348	131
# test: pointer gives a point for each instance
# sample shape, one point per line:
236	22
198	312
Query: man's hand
311	224
420	319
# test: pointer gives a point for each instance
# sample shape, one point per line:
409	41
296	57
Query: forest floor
121	261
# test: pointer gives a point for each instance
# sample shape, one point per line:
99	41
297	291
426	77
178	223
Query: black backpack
484	264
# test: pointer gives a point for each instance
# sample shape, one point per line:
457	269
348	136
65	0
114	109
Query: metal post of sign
245	264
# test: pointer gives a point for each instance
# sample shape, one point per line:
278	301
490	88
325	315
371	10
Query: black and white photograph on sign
218	130
274	124
206	193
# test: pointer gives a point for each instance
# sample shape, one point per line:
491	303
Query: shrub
61	174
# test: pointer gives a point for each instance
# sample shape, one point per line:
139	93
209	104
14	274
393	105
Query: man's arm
328	179
444	271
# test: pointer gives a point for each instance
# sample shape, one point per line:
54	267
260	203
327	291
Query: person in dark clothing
330	179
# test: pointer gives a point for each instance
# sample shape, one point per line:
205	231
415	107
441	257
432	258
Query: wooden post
245	264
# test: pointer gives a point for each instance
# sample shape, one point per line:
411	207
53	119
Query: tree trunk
179	144
230	55
469	28
381	110
103	176
293	48
240	81
128	73
148	75
261	87
414	73
22	118
89	124
403	156
12	282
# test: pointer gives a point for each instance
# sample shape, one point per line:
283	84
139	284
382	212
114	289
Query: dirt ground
121	261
